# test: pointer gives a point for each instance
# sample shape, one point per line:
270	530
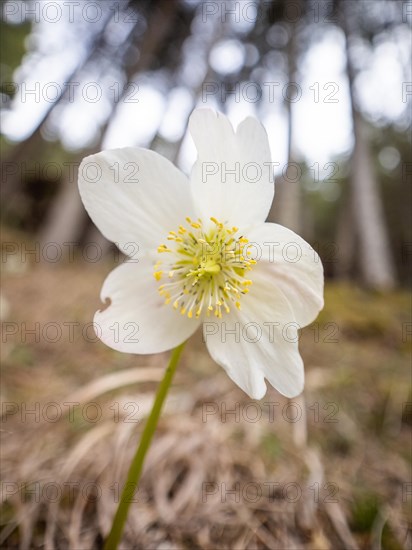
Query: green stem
136	466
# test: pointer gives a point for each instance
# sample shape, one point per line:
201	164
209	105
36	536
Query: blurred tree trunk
28	147
68	217
375	260
345	241
286	208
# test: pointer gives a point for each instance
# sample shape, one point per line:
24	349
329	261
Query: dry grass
61	479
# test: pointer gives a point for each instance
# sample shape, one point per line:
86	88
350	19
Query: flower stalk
136	466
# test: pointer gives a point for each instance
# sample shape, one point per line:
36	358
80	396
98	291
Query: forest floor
328	470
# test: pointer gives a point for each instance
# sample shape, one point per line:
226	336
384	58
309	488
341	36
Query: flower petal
134	196
137	320
232	178
293	269
259	341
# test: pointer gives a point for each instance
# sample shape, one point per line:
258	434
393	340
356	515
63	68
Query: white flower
206	255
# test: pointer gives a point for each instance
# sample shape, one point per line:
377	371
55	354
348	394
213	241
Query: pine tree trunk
29	147
286	208
67	213
345	241
375	260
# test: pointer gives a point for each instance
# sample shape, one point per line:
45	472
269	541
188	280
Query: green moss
364	511
22	355
364	314
271	446
389	542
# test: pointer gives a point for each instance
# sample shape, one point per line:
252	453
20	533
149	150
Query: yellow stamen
206	268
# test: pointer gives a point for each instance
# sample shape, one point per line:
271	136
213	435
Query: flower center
206	269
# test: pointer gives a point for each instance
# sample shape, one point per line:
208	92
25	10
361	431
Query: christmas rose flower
205	255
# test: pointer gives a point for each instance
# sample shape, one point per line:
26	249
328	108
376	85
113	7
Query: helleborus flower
206	255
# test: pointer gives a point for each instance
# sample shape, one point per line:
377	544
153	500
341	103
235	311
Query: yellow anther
206	269
216	222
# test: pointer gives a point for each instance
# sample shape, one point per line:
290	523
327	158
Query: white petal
134	196
292	267
259	341
137	320
244	196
